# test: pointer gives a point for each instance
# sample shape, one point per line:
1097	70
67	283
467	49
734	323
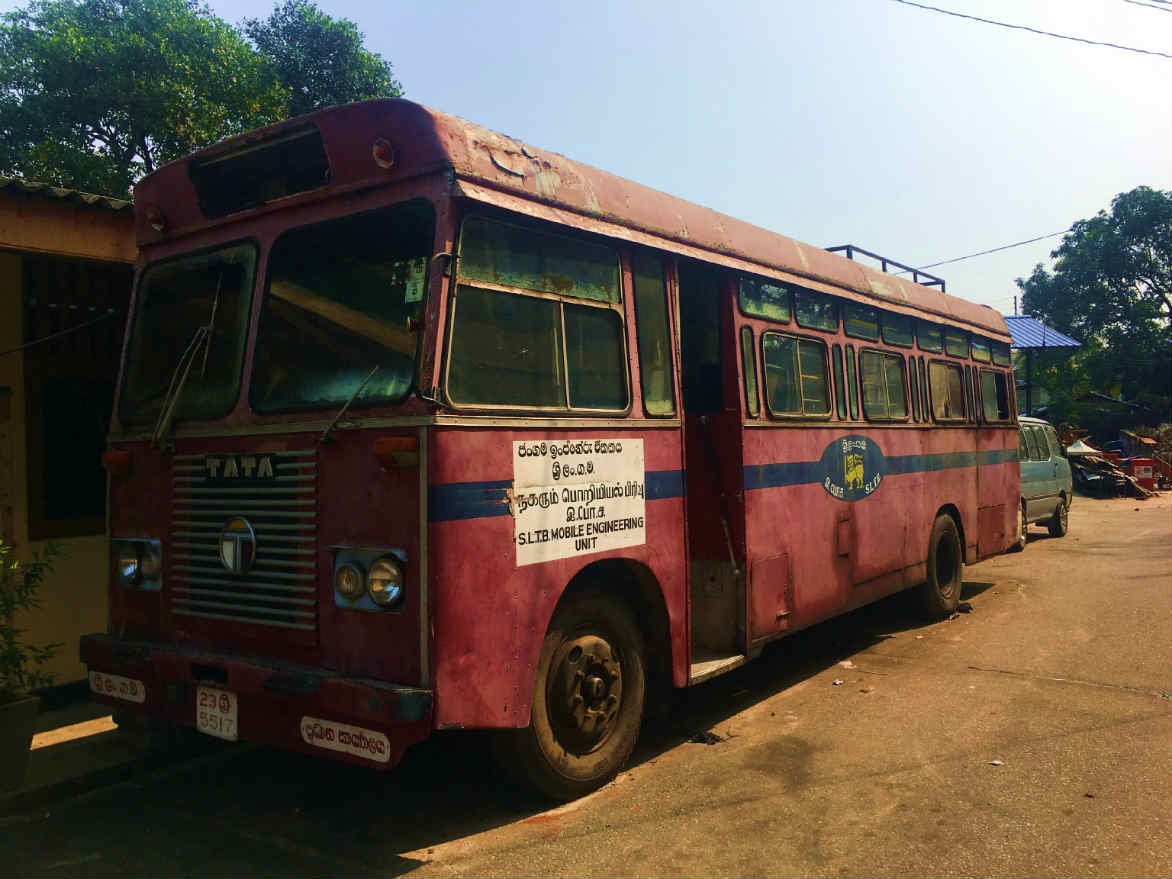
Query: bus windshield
175	298
339	299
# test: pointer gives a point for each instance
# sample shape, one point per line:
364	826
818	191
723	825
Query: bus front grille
244	537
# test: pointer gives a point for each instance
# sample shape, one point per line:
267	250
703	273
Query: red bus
420	427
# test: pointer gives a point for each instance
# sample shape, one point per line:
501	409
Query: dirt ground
1030	735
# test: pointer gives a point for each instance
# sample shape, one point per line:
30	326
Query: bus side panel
850	543
999	490
490	614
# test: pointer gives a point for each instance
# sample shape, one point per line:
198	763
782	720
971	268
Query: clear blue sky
907	132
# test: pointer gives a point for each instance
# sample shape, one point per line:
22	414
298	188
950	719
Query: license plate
215	713
117	687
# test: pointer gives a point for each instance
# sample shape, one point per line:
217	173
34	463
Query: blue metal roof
1029	332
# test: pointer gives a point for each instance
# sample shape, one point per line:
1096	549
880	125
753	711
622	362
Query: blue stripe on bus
808	472
451	501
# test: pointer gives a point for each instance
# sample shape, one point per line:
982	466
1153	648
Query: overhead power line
1032	30
945	262
1149	6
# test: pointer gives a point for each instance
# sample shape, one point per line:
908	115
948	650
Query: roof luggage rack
917	274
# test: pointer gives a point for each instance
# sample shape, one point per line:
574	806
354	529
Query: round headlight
150	563
349	582
128	564
385	581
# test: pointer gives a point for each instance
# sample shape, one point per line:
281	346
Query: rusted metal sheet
496	169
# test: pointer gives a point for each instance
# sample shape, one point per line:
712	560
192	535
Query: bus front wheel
940	594
587	701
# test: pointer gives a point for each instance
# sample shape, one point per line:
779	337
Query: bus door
715	476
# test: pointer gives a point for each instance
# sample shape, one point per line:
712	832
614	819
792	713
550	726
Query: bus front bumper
243	698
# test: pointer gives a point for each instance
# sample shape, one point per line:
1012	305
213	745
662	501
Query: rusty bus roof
493	168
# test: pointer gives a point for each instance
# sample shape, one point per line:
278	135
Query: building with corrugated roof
66	264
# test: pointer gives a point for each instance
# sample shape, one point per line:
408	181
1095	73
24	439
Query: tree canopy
320	61
96	93
1111	288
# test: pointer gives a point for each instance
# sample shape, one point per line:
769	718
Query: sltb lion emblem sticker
853	467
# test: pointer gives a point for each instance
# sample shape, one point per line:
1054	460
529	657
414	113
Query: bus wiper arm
175	388
325	433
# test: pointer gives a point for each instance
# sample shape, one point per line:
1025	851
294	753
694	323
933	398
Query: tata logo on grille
237	546
239	467
853	468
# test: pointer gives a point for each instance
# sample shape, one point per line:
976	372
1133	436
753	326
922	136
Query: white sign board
575	497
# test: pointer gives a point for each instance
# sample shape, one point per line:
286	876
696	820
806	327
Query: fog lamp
385	581
349	582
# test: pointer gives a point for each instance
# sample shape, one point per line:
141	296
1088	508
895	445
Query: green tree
96	93
1111	289
321	61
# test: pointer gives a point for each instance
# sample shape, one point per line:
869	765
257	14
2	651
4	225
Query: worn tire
592	651
1022	531
1059	522
940	593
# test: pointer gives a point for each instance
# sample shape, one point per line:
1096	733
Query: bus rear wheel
940	593
587	701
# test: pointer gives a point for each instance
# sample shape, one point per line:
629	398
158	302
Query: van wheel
1059	521
940	593
1022	532
587	701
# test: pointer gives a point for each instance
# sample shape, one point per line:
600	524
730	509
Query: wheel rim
585	693
1024	528
1062	515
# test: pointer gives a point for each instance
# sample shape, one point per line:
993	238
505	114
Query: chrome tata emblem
237	546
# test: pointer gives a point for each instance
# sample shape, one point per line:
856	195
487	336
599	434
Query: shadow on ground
264	804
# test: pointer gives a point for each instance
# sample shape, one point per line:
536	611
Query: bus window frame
752	315
619	307
1008	419
749	352
884	419
852	381
960	419
802	416
666	268
840	392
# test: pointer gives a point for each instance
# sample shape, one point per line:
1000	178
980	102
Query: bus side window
947	385
795	375
915	392
749	367
970	408
925	405
884	390
852	387
995	394
839	386
653	333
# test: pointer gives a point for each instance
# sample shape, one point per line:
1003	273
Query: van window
1036	444
1056	450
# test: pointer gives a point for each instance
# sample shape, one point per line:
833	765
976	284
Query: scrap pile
1096	474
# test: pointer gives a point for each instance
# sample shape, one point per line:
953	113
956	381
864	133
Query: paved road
1030	735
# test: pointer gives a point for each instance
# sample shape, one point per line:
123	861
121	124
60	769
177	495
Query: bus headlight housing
384	581
349	581
138	563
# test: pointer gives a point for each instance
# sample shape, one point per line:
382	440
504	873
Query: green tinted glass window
654	335
1001	354
881	376
851	383
515	256
767	299
955	343
340	300
928	336
981	352
915	389
860	321
749	368
839	385
897	329
795	375
815	311
594	357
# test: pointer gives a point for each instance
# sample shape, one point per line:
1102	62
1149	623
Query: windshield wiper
201	337
325	433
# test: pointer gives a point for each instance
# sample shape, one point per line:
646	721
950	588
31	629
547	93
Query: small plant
19	583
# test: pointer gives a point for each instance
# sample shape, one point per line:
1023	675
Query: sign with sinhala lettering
576	497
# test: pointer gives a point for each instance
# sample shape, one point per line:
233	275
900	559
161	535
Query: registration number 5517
216	713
